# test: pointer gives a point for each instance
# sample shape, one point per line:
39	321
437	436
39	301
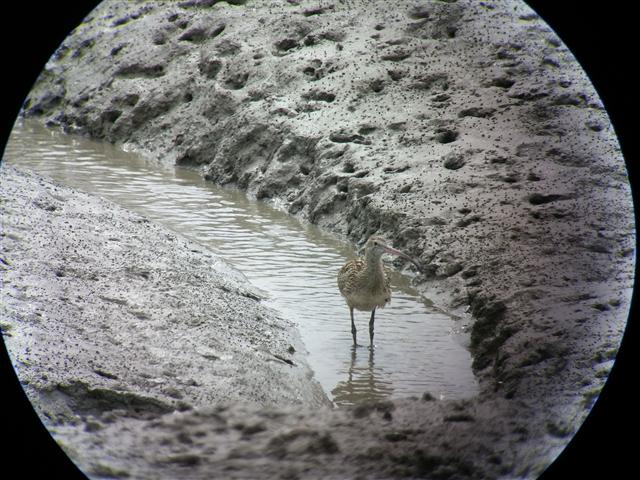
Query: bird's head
376	246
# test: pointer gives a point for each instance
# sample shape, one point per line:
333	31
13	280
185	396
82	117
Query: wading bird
364	283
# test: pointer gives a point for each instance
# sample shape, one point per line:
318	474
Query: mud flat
110	317
463	131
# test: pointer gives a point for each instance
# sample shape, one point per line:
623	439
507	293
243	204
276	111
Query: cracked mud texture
465	132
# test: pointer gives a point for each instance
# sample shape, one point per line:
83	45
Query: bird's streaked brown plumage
364	283
364	288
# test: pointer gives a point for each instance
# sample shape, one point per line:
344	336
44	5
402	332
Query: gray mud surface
463	131
156	321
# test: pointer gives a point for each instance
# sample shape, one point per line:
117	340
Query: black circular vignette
33	32
601	39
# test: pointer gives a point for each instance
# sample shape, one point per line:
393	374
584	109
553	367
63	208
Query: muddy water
417	348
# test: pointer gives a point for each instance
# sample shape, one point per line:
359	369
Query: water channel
417	349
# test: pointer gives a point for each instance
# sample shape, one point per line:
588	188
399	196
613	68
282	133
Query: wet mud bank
109	317
164	322
465	132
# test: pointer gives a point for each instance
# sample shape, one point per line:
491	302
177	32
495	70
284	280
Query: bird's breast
364	288
368	302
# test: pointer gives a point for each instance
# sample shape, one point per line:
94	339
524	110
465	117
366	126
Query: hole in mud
446	136
304	169
502	82
286	44
349	168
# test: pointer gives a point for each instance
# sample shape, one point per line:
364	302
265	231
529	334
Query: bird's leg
373	317
353	327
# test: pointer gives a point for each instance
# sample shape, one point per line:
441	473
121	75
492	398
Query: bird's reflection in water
363	382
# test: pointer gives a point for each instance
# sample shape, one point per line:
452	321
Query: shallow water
417	348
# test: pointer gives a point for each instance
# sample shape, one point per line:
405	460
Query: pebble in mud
534	107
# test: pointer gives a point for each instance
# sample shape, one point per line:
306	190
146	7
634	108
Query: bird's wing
347	274
342	277
387	278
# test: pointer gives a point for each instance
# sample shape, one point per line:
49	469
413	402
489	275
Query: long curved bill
393	251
